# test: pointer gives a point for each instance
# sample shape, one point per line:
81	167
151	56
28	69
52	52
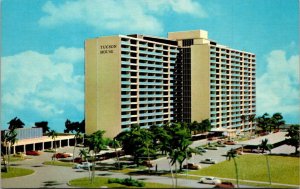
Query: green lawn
102	181
59	163
16	172
253	167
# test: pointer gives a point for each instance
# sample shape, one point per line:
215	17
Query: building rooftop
42	139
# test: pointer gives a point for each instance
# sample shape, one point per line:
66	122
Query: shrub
127	182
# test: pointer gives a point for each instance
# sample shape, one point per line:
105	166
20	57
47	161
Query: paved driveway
58	176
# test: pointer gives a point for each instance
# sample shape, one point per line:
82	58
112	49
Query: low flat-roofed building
33	139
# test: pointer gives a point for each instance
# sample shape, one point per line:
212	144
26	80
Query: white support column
59	143
14	148
68	141
51	144
43	145
33	146
24	148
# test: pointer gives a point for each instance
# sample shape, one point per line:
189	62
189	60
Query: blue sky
42	58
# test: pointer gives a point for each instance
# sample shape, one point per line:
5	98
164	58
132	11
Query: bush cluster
127	182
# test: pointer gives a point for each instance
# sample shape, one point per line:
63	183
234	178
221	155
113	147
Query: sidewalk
252	181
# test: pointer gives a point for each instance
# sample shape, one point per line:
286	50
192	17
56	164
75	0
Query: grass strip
59	163
16	172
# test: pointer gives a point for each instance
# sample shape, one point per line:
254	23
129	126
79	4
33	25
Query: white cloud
43	83
278	87
128	15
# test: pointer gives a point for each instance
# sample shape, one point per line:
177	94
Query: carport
225	132
40	143
276	139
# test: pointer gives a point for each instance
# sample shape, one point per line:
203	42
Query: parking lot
58	176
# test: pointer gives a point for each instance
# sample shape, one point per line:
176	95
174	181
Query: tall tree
205	125
264	122
9	139
193	127
115	144
96	143
15	123
135	142
53	134
251	119
231	154
160	138
43	125
85	154
268	147
178	143
294	134
77	136
277	120
74	126
243	119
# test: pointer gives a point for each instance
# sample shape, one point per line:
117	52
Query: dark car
78	160
230	142
225	185
147	163
61	155
33	153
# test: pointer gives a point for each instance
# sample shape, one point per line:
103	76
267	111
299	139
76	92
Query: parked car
210	180
147	163
225	185
208	161
201	149
33	153
61	155
191	166
211	148
19	155
239	152
230	142
220	145
78	160
84	165
212	138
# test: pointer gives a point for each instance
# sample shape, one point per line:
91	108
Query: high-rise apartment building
145	80
128	80
213	81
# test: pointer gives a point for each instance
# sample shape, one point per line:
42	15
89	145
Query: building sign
107	49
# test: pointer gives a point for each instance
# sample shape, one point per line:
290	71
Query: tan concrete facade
200	82
222	81
102	85
128	81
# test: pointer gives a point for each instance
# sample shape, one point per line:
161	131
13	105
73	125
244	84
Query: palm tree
231	154
96	143
277	120
116	144
9	139
76	136
15	123
294	134
264	122
43	125
53	134
84	153
251	119
268	147
243	119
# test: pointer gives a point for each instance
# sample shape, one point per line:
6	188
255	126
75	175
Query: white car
84	165
210	180
208	161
